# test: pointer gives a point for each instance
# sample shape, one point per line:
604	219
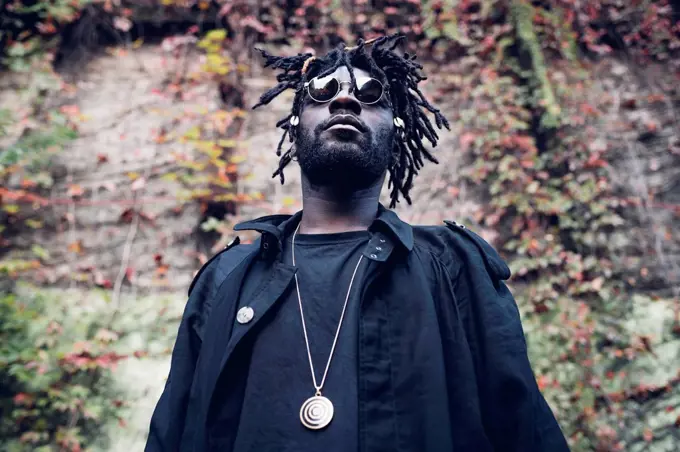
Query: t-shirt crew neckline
333	238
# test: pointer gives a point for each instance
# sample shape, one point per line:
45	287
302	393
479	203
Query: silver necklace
317	411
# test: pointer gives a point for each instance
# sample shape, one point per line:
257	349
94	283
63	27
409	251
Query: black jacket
442	357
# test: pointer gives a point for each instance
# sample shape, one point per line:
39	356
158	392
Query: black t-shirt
279	378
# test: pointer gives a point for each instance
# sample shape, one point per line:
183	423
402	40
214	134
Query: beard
345	161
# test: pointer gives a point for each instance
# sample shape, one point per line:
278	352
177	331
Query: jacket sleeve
515	414
168	419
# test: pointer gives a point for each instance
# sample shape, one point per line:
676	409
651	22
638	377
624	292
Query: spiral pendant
316	412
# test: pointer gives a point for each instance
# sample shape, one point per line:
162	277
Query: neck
326	210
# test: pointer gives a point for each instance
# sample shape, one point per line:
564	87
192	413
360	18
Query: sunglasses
325	89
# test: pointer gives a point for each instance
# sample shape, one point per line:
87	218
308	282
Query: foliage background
565	153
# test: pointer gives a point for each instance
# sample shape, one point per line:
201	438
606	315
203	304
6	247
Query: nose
345	102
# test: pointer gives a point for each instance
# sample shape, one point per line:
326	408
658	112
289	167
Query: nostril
345	102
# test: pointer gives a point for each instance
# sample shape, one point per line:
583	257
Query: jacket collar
275	228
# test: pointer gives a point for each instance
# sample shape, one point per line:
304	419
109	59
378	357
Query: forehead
342	73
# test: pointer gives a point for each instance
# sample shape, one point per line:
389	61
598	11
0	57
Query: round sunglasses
325	89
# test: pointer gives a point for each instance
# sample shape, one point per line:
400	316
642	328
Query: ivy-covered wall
129	150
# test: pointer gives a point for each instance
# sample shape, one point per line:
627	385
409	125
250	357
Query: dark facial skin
343	169
342	156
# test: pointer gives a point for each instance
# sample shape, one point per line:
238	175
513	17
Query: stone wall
118	97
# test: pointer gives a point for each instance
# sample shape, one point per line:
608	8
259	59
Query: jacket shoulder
206	282
459	246
218	266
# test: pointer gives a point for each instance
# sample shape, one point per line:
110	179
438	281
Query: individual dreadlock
399	76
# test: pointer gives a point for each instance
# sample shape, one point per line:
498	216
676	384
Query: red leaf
130	274
589	110
629	103
138	184
252	22
20	398
127	215
524	143
147	216
466	140
540	308
100	281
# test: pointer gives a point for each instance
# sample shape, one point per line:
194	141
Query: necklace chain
304	327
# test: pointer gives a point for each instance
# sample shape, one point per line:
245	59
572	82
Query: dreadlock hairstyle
399	76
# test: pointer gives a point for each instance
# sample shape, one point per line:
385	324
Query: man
343	328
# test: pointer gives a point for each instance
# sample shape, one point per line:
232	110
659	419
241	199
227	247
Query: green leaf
587	399
450	30
41	252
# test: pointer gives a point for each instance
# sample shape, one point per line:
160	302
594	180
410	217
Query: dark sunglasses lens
323	89
370	92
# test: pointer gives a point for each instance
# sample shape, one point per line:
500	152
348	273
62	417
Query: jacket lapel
260	303
224	331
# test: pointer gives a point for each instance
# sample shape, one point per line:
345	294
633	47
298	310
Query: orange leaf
454	191
162	270
75	190
70	110
76	247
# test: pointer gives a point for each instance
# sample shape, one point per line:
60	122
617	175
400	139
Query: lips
346	121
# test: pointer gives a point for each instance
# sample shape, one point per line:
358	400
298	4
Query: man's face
342	156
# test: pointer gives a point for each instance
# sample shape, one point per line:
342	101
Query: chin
345	165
